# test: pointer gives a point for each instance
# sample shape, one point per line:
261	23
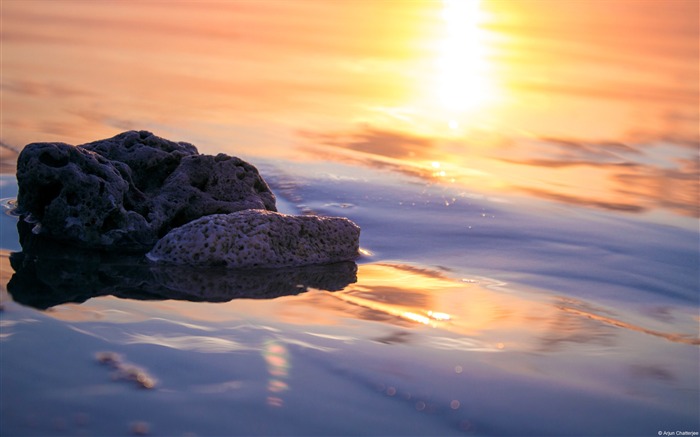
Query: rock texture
125	192
257	238
137	192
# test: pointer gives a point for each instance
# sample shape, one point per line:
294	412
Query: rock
72	194
149	159
74	275
203	185
125	192
255	238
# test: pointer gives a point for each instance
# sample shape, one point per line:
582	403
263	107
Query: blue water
471	315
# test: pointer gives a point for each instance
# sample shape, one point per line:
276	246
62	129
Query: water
459	323
529	254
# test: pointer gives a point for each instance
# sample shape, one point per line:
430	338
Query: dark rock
72	194
75	275
203	185
125	192
149	159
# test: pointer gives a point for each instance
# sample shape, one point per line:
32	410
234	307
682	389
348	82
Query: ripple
195	343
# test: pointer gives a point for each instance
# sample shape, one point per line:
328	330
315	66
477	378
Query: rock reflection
76	276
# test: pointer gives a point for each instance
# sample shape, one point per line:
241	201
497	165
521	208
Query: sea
529	252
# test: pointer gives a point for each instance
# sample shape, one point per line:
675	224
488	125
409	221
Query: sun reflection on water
494	89
463	73
277	358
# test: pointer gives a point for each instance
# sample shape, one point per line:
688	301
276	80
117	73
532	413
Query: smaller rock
259	238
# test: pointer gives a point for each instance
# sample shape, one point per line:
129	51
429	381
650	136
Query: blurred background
585	102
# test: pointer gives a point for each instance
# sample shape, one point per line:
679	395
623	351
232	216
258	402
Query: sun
462	77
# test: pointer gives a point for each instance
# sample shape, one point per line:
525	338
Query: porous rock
256	238
125	192
76	195
203	185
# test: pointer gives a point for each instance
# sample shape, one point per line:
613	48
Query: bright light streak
439	316
415	317
462	79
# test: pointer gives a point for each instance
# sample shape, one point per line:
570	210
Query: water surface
466	326
525	175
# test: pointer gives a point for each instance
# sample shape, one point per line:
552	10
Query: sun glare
462	68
